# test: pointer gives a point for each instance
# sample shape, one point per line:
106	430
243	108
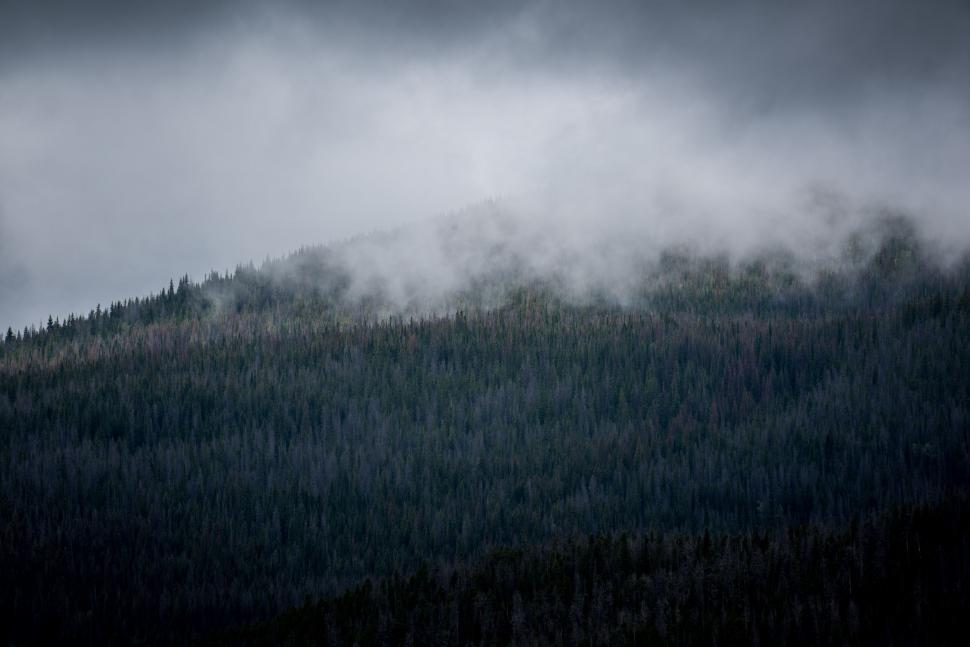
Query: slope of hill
221	451
897	578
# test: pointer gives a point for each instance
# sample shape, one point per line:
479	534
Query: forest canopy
222	451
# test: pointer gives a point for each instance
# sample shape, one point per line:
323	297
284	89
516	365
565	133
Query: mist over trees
690	369
220	452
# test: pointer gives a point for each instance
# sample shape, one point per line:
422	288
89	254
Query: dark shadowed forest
738	453
899	578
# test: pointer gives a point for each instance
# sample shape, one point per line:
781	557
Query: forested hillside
896	578
220	452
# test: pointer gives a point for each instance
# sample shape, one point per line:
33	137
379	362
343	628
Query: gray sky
141	141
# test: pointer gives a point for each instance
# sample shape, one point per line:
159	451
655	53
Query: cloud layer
143	143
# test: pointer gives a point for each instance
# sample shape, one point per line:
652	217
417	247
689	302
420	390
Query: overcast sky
142	141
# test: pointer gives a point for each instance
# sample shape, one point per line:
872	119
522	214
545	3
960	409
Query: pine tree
10	336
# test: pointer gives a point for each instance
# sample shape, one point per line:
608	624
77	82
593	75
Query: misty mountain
691	367
485	256
221	451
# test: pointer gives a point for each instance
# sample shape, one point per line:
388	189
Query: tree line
179	464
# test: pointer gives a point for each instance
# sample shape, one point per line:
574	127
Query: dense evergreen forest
899	578
223	451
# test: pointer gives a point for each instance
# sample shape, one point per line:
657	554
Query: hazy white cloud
121	167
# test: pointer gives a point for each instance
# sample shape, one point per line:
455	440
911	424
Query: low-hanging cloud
251	131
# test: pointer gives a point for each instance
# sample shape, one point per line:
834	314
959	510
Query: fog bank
138	145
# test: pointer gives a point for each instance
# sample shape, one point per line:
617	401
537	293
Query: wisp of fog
600	134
